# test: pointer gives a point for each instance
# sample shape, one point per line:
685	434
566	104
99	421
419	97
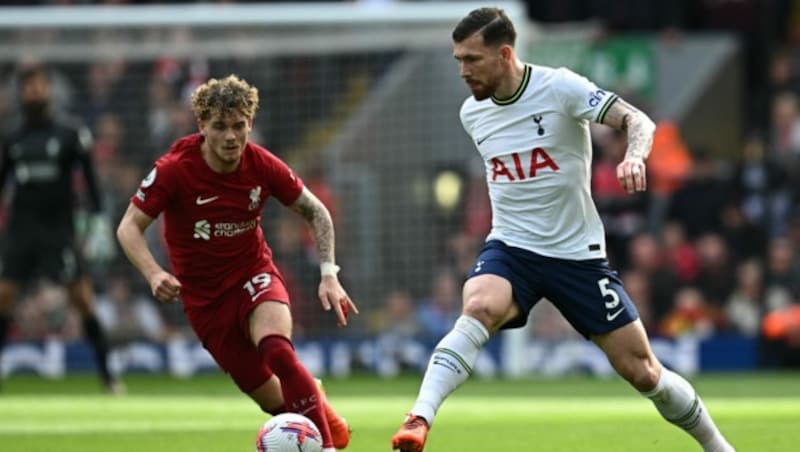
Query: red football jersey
212	221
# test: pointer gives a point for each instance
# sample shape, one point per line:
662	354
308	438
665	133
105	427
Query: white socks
679	404
450	365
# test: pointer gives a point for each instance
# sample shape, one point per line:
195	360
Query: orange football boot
412	434
340	430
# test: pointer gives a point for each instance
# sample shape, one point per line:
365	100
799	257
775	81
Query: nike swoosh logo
254	297
610	316
200	201
481	140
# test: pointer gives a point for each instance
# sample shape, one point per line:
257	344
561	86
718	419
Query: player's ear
507	52
200	125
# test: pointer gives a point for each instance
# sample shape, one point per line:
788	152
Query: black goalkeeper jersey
40	159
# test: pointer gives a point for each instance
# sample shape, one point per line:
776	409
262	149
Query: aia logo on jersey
255	198
524	166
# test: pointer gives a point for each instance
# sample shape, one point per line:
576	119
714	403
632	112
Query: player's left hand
332	295
632	175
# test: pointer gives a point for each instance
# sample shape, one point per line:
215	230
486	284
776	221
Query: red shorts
222	326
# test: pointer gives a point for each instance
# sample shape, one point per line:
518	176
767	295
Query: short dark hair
492	23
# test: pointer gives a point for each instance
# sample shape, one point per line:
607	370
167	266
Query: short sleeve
580	97
157	188
284	184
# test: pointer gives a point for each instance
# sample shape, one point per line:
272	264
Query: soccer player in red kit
211	188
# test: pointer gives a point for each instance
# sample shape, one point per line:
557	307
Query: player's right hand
165	287
632	175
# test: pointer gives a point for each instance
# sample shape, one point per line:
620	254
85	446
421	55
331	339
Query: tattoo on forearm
321	224
640	136
638	127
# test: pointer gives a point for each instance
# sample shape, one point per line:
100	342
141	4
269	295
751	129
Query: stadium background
361	98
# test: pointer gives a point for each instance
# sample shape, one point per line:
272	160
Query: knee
481	309
643	374
489	299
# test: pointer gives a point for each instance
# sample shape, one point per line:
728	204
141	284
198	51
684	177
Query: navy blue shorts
587	292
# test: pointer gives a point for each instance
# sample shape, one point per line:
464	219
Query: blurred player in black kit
40	151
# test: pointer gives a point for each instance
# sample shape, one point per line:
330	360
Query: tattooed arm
331	293
320	222
639	129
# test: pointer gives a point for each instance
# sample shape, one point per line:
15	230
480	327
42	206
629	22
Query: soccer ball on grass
289	432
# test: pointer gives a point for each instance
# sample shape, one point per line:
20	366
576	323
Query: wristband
328	269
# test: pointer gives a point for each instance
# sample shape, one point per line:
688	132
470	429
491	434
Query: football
289	432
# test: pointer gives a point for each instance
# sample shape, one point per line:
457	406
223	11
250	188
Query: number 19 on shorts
257	285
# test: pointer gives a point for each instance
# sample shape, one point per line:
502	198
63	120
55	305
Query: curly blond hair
230	94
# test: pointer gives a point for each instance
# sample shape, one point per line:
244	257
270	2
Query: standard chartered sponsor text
234	229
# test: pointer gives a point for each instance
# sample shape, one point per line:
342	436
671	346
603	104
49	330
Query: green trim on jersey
608	105
518	93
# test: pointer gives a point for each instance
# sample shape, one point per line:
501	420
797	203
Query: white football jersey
538	156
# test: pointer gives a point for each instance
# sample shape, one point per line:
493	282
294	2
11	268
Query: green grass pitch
758	412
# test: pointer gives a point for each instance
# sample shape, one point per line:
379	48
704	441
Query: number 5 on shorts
608	292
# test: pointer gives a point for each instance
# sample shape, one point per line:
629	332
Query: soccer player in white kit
531	126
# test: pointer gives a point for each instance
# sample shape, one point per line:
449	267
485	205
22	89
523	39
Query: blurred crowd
710	248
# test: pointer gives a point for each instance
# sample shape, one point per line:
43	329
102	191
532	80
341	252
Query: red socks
300	393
